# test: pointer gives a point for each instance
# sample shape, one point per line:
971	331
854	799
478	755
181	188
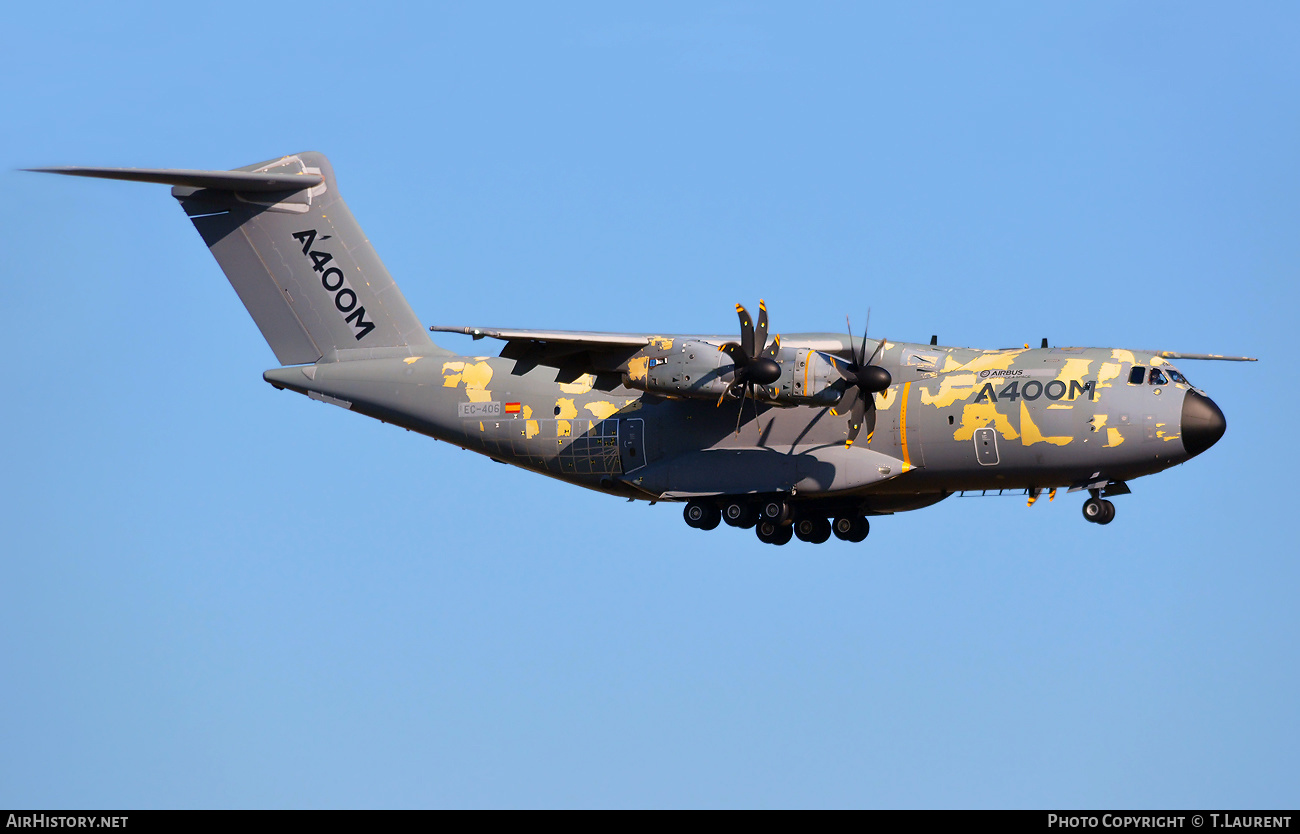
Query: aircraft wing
1171	354
577	352
572	352
583	338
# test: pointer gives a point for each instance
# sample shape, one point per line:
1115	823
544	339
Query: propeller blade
760	337
865	330
736	353
875	354
856	409
774	348
853	350
746	331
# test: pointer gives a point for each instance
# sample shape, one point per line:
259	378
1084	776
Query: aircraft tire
812	529
1108	514
702	516
740	514
776	511
1094	510
850	529
772	533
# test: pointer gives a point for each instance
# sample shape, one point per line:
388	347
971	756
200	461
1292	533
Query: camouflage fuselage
954	419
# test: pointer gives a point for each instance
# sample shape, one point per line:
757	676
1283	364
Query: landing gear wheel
1094	509
775	511
850	528
702	516
1109	512
814	530
739	514
770	533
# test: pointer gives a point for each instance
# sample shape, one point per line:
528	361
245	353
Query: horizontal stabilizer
246	181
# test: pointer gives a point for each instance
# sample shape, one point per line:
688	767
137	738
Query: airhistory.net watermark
63	821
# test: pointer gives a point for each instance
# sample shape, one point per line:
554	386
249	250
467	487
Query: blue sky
200	609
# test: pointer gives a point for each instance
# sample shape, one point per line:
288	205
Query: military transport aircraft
807	434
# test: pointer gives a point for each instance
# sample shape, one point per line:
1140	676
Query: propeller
864	380
753	359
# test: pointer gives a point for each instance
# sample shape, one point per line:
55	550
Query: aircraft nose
1202	423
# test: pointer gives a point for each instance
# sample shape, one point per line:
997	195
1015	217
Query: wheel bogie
776	521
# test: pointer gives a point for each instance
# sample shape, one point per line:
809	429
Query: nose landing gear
1098	510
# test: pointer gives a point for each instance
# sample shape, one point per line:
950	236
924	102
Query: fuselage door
631	443
986	446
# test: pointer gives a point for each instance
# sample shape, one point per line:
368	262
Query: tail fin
294	254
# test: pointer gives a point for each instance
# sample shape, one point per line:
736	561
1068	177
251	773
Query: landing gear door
631	443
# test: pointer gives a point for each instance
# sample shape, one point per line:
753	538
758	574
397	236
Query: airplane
807	435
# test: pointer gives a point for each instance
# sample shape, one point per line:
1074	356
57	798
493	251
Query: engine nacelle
698	369
684	369
810	379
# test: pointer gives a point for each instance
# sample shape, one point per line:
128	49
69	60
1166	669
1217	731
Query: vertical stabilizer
293	252
301	264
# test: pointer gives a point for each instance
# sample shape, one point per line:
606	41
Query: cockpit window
1136	375
1177	377
1158	378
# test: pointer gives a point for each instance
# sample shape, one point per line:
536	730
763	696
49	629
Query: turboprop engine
699	369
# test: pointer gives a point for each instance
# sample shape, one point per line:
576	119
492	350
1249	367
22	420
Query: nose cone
1203	423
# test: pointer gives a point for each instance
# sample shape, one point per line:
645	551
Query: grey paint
654	417
257	239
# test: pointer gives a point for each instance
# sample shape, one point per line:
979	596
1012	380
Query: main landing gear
702	516
1098	510
851	529
813	529
769	532
775	521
